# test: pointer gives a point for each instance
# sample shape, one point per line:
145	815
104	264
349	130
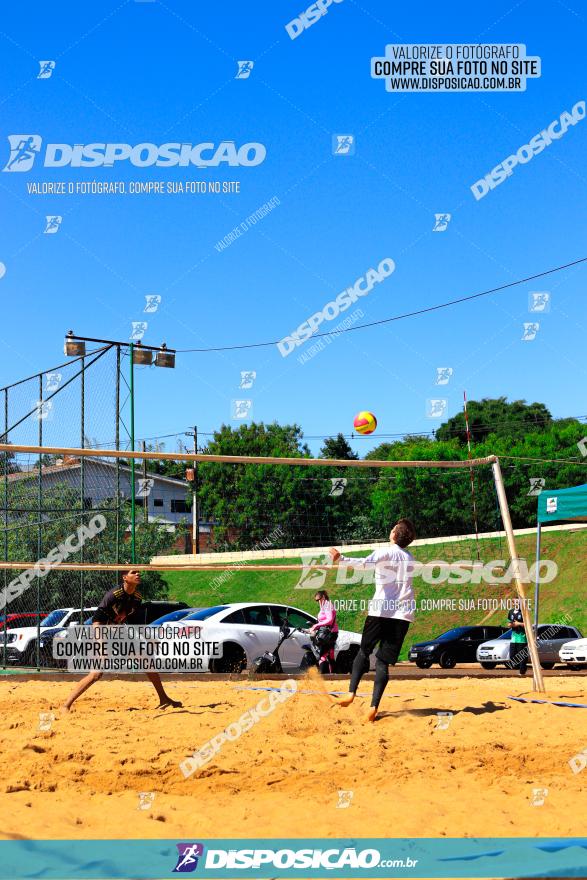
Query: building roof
76	465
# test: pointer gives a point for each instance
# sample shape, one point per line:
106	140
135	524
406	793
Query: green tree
338	447
496	416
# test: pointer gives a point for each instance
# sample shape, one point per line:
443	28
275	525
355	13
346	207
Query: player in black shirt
116	606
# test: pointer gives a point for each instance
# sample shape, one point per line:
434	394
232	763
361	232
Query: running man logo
244	69
146	799
46	720
247	378
153	301
139	328
23	151
436	407
344	799
536	485
441	222
443	375
241	409
312	578
343	145
188	855
46	69
338	486
145	486
52	381
539	301
539	795
443	720
530	331
42	409
53	223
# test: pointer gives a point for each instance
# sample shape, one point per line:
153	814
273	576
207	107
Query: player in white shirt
391	610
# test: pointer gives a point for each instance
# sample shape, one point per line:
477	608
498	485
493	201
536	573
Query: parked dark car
458	645
149	612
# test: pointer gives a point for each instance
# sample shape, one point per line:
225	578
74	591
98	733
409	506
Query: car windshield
173	615
506	635
456	633
204	613
55	617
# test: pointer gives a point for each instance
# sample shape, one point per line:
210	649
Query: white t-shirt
394	593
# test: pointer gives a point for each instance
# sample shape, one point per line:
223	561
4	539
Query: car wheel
29	657
423	662
487	665
547	665
447	661
344	661
576	667
233	659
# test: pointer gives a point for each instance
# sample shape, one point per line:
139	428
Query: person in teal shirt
519	642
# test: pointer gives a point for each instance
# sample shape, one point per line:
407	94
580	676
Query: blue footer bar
302	858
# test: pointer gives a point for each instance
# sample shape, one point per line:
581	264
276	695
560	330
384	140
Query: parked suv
21	642
455	646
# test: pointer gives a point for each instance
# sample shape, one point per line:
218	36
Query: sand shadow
486	708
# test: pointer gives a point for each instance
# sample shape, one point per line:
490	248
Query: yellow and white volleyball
365	422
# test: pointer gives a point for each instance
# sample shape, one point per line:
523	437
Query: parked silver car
550	639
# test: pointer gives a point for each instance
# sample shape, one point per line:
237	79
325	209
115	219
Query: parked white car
574	653
21	643
550	639
248	629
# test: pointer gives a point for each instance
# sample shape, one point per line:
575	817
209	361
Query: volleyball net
210	529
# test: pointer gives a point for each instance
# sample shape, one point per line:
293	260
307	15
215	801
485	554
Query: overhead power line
445	305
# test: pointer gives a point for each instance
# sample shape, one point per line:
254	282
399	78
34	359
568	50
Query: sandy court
408	776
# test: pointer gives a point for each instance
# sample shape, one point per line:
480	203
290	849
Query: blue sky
155	72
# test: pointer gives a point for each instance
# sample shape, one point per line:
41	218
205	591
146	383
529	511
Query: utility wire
445	305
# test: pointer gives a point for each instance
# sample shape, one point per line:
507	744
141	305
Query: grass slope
565	595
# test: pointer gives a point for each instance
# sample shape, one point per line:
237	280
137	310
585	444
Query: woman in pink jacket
326	631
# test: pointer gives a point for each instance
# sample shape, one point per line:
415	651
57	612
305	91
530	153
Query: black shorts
390	632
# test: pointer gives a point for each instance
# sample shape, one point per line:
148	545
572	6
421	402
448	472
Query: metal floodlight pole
507	524
132	461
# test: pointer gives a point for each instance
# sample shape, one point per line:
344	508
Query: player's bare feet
371	715
344	701
175	704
